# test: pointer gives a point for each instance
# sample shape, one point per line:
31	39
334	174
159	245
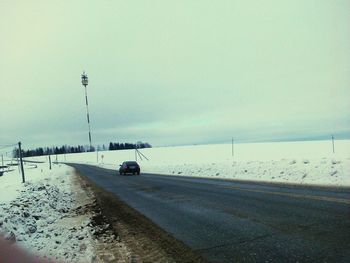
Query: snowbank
41	215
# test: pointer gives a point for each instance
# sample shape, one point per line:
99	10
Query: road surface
227	221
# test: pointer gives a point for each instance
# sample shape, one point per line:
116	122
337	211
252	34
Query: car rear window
131	163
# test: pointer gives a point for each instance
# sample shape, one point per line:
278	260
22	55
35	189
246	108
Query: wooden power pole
20	158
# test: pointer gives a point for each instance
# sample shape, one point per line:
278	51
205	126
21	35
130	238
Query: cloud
174	73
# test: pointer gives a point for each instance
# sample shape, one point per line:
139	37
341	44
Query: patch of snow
40	215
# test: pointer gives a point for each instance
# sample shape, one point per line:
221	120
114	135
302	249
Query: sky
174	72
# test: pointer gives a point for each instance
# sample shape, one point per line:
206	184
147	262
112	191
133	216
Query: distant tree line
126	146
77	149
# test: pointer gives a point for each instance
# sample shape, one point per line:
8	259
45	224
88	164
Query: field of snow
44	214
302	162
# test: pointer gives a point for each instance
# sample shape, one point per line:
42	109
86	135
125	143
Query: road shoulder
147	241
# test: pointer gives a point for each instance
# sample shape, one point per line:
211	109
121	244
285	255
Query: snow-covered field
303	162
45	215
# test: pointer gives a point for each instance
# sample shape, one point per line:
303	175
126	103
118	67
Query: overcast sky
174	72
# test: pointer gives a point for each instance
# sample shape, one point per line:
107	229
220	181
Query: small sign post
21	161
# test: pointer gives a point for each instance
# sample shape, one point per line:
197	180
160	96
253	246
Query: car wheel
138	173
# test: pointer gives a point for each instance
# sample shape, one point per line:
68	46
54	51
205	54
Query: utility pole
97	154
232	147
233	160
333	142
2	159
85	81
20	157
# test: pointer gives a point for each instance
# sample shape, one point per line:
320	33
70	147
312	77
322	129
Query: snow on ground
47	214
302	162
35	214
11	185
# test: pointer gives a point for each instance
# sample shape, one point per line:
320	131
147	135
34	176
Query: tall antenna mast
84	82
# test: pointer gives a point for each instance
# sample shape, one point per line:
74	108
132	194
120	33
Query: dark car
129	167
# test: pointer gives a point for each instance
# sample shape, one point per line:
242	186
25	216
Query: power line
7	146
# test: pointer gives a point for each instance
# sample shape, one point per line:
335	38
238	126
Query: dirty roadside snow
54	215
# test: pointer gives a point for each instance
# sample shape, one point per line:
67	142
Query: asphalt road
226	221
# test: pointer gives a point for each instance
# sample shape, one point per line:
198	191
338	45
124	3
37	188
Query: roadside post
333	142
50	161
20	158
232	148
233	160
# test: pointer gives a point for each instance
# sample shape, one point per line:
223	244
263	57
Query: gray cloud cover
174	72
